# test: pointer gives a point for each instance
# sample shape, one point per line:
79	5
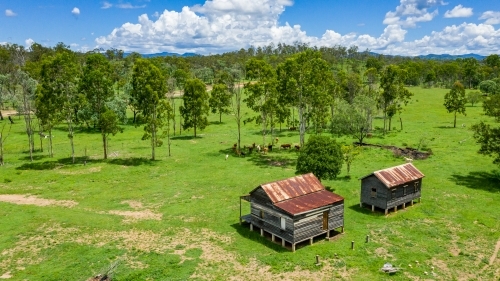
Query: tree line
329	89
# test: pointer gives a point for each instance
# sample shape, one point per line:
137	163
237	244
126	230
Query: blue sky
398	27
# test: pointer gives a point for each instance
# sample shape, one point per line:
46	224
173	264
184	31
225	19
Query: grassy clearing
177	218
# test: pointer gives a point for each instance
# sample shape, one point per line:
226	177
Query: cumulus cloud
106	5
10	13
28	42
491	17
410	12
458	12
75	11
226	25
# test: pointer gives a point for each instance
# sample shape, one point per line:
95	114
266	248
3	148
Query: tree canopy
322	156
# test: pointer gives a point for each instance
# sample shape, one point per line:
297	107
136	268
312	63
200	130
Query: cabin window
416	186
261	214
404	189
374	192
283	223
394	193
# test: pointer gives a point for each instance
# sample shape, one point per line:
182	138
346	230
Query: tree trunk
104	145
1	116
220	117
390	123
302	126
153	135
51	149
455	120
401	121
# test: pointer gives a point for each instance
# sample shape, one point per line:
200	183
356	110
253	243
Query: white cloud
75	11
28	42
459	12
106	5
491	17
155	15
10	13
410	12
129	6
227	25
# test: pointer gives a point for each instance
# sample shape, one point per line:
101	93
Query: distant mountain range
428	57
440	57
165	54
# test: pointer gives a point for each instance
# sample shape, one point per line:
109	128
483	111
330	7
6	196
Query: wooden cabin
294	210
392	187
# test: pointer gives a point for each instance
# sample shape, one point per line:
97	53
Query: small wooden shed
294	210
391	187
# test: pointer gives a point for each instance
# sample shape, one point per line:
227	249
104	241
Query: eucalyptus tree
455	101
96	85
195	109
148	90
300	78
27	96
394	94
262	93
220	100
57	96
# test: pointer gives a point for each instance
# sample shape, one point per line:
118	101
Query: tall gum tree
148	90
97	86
195	109
455	101
298	83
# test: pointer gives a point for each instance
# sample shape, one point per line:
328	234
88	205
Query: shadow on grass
366	210
51	165
244	231
35	157
185	137
446	127
489	181
271	159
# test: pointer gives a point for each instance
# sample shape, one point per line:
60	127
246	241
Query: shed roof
292	187
299	194
309	202
397	175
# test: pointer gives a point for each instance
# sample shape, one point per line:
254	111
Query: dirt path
495	253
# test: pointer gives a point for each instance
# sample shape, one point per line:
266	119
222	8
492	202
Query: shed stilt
272	237
261	232
395	208
251	227
282	242
412	202
342	229
293	247
373	208
386	211
310	241
404	205
419	199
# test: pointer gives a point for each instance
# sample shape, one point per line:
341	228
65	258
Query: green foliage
491	106
220	100
394	94
322	156
489	139
148	90
195	109
455	101
350	152
353	119
474	97
489	87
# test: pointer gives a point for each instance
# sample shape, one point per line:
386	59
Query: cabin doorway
325	220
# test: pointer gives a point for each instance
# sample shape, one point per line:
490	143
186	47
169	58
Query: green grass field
177	218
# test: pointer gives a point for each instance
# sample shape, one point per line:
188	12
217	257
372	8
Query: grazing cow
264	150
277	140
240	153
293	128
227	156
297	147
258	148
286	145
408	160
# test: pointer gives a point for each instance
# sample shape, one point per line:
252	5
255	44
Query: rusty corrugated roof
398	175
309	202
293	187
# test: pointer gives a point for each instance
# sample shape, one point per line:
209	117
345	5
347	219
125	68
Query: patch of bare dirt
383	253
28	199
401	152
6	275
495	253
216	262
132	216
